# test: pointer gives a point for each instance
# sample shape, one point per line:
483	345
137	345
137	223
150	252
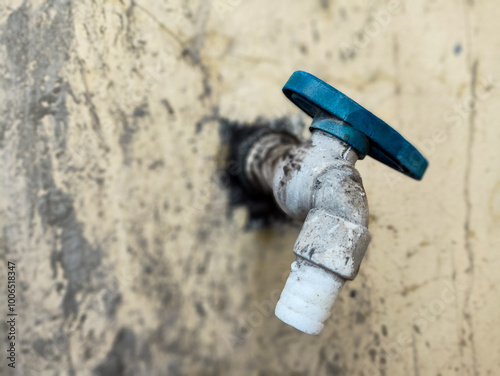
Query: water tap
316	182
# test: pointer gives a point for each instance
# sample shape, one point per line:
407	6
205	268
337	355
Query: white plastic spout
308	297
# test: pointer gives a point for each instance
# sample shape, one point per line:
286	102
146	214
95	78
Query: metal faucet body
315	181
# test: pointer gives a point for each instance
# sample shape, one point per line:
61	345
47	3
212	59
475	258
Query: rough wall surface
115	210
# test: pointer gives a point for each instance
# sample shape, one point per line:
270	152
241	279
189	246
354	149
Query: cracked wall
116	207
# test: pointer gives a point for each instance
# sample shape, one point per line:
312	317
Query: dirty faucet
316	182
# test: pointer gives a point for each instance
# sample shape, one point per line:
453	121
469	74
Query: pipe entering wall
265	156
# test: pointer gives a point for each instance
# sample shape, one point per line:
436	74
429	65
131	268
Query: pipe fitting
316	181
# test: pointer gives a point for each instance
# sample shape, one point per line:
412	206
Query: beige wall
127	262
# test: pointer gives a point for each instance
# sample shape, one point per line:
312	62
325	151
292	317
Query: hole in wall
263	212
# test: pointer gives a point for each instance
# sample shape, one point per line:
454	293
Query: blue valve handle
337	114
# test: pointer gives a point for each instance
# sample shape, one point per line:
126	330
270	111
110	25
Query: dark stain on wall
38	43
76	256
122	351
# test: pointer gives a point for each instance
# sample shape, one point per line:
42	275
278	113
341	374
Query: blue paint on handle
318	99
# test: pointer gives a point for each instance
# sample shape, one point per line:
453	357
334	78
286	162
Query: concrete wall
114	208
